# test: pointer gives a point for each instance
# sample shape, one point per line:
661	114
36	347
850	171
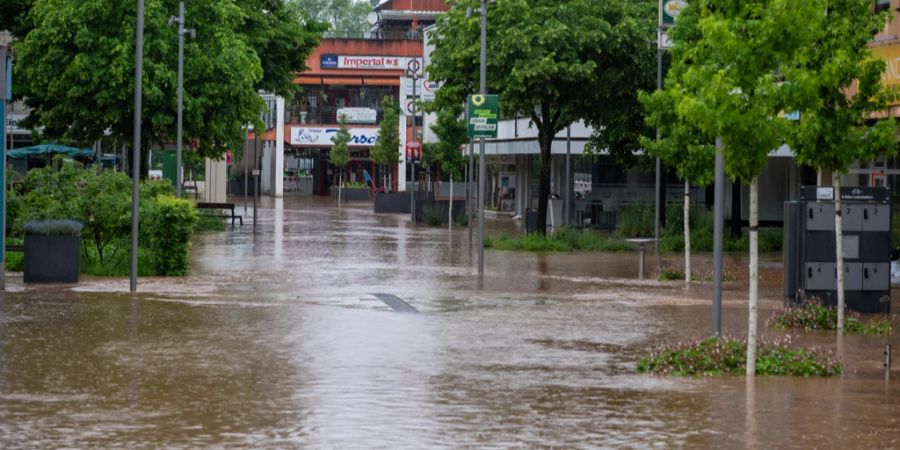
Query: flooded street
277	340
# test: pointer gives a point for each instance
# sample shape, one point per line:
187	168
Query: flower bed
717	356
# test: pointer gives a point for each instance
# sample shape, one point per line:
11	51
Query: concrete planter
51	259
351	195
393	203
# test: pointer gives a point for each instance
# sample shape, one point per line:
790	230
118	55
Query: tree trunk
735	210
340	187
754	276
839	250
450	214
544	192
687	232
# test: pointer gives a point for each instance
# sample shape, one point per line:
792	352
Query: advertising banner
669	11
323	136
483	113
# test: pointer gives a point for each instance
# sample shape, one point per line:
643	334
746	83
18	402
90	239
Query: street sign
483	113
413	152
669	11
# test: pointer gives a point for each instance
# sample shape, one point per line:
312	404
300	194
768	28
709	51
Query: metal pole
179	181
255	180
470	200
246	165
136	142
482	90
567	201
3	98
412	184
718	228
658	191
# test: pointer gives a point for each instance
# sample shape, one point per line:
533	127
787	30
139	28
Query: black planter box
351	195
394	203
51	259
459	208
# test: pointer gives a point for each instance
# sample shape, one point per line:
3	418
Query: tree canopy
346	17
75	67
837	86
386	148
550	60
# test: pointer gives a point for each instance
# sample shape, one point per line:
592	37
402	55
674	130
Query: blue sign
328	61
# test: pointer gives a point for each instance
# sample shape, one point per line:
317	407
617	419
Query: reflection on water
278	343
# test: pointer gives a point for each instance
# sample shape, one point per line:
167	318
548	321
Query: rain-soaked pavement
278	341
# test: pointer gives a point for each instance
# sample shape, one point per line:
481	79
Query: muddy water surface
276	341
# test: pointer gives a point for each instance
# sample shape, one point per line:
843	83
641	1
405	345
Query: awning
46	149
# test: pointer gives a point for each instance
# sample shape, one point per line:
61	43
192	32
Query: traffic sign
483	113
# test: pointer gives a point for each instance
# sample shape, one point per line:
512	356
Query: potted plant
52	251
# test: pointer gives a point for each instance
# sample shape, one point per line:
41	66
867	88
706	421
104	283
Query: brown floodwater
277	341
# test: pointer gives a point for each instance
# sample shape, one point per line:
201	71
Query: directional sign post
483	113
5	91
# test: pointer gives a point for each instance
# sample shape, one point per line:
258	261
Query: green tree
832	131
346	17
386	148
550	60
14	15
452	134
683	147
727	79
339	155
75	68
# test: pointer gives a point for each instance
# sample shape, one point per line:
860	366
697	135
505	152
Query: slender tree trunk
754	276
839	250
687	231
450	215
735	221
340	187
544	192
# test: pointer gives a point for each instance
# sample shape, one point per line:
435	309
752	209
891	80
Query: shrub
53	228
715	356
102	202
636	220
815	316
170	225
462	219
564	240
434	215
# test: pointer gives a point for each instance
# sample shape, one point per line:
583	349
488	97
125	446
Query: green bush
209	222
716	356
170	225
434	215
564	240
102	202
53	228
462	219
636	220
815	316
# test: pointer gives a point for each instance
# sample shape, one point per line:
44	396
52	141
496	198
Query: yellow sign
891	56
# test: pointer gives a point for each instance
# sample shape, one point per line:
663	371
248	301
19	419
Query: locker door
876	277
876	218
820	217
819	277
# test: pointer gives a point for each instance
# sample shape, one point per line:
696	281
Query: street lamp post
179	20
136	143
481	170
412	156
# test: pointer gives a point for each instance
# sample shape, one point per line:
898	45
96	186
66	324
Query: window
881	5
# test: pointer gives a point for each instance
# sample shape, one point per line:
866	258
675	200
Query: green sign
669	11
483	113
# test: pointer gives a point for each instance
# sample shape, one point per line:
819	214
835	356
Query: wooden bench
220	207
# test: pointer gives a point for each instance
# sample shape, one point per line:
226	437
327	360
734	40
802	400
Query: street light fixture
179	20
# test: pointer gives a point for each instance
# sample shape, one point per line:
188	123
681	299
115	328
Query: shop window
881	5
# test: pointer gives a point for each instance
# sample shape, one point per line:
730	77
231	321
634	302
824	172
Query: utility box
810	263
